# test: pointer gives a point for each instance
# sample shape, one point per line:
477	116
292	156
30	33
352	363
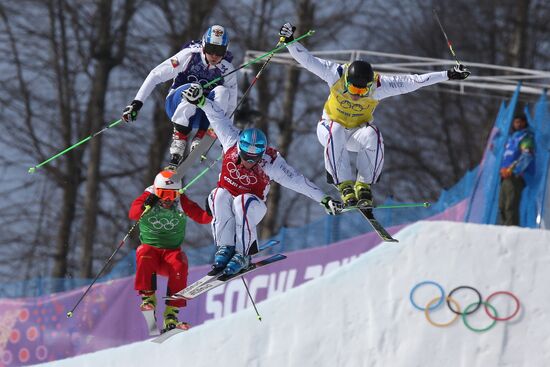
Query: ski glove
332	206
194	95
458	72
131	111
151	200
287	33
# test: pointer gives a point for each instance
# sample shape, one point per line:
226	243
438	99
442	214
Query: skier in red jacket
162	231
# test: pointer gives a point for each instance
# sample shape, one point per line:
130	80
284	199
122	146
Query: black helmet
359	74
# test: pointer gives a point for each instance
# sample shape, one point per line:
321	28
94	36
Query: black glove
332	206
287	33
151	200
458	72
193	94
131	111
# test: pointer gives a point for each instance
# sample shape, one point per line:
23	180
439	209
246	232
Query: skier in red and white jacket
238	201
162	232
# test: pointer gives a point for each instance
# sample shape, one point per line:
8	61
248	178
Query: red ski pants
152	261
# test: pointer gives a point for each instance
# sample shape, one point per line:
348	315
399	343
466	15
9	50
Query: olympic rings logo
236	175
347	104
163	223
194	79
454	306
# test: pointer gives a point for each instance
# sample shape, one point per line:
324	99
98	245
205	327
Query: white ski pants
235	218
338	141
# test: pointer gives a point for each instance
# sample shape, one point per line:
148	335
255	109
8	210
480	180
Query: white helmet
163	183
215	40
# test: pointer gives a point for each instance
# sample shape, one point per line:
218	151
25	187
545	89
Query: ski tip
427	204
32	170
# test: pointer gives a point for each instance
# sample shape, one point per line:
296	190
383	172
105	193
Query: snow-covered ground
361	315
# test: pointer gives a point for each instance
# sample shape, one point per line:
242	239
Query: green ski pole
33	169
390	206
276	49
197	177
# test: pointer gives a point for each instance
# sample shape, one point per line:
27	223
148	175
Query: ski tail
375	224
255	249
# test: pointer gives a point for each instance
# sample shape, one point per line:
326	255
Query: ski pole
253	81
33	169
445	35
276	49
196	178
390	206
252	300
70	313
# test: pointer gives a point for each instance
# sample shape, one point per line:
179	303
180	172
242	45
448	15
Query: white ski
151	321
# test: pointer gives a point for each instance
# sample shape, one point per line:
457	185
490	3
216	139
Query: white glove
287	33
332	206
193	94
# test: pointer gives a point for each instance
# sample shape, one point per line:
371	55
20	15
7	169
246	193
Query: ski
151	321
375	224
214	281
195	155
167	335
253	251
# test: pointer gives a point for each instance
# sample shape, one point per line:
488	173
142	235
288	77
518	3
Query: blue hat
252	145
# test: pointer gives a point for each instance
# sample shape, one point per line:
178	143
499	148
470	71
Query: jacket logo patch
175	62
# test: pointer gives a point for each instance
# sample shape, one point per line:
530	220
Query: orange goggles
167	194
358	90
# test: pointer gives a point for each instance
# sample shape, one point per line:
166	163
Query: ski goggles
250	158
167	194
359	91
213	49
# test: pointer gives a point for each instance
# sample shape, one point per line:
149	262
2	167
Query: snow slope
361	315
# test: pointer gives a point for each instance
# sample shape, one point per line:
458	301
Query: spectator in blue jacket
517	158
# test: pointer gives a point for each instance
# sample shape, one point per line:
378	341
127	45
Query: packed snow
361	314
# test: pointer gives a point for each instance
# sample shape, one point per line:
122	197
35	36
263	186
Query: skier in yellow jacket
347	124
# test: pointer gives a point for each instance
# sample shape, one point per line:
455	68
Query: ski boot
347	193
148	301
171	320
363	193
175	161
177	150
221	258
237	263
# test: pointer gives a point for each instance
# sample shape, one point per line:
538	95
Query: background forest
70	67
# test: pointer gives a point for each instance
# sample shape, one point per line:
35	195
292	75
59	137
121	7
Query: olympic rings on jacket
454	306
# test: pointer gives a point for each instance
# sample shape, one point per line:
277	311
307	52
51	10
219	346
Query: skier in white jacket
347	124
198	62
238	201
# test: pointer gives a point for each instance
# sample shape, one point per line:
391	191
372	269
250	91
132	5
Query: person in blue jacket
198	62
517	159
